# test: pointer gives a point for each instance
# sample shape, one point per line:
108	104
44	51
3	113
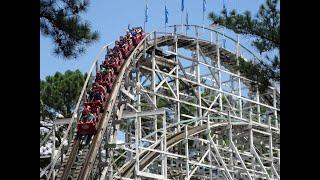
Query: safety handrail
228	37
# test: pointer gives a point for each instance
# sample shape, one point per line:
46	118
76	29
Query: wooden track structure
234	136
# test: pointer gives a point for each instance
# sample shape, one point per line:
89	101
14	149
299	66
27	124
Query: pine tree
265	28
60	93
60	20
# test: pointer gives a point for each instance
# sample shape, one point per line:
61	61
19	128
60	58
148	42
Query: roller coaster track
162	71
147	157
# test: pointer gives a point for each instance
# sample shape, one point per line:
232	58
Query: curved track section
186	113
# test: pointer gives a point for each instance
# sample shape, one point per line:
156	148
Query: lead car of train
97	97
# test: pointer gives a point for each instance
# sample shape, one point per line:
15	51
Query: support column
275	106
199	81
230	141
137	149
154	97
258	105
270	147
239	79
210	155
164	161
196	144
219	78
178	107
219	72
187	153
177	84
251	142
137	129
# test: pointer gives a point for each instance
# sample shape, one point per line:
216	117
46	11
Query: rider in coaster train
110	73
87	115
99	76
106	74
133	32
117	44
95	94
116	50
97	87
103	70
95	110
128	35
108	79
103	73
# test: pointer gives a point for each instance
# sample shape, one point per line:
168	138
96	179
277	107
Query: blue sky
111	18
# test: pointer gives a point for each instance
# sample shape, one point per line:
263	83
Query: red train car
86	128
104	81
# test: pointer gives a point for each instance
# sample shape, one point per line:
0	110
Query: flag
187	21
182	5
166	14
146	14
204	4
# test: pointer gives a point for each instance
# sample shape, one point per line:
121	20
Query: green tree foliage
60	20
61	91
265	27
256	72
187	109
162	102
